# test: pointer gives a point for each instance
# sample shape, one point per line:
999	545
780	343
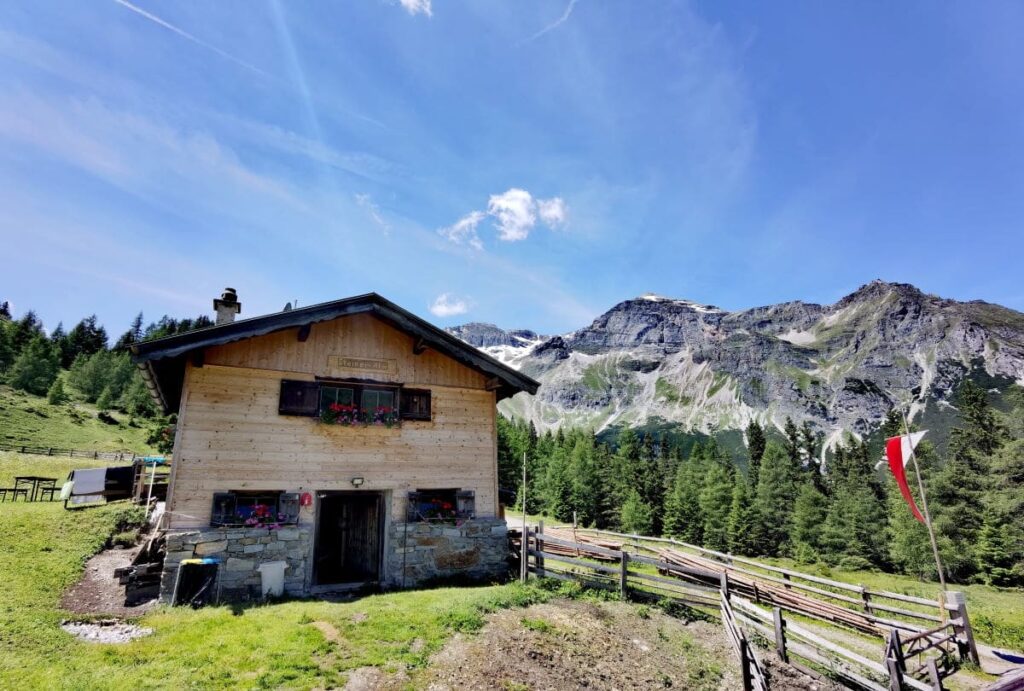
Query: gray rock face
489	335
840	366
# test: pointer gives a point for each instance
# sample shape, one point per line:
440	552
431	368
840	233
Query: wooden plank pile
580	551
764	591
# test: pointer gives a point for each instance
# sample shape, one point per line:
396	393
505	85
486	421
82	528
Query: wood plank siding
231	437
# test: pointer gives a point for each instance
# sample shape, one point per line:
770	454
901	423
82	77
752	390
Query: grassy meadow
32	421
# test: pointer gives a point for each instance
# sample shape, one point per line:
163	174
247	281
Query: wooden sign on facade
343	362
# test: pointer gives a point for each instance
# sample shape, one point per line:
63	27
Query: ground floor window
441	505
254	508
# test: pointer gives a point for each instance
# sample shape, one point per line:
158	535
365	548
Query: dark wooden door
349	538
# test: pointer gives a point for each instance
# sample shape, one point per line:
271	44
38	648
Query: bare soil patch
586	645
98	592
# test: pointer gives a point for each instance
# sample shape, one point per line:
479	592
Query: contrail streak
186	35
555	24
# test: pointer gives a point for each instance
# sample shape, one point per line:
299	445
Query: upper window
371	400
312	398
342	395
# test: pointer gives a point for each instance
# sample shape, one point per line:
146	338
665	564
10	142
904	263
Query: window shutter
288	506
415	404
299	397
223	511
466	503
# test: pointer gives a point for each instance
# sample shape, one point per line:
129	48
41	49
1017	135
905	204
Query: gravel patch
110	631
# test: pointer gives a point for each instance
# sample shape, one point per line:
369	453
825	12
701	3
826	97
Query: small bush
127	538
129	518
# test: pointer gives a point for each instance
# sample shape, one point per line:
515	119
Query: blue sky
525	163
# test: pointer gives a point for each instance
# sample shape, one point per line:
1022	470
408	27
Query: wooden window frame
462	502
283	503
405	414
358	386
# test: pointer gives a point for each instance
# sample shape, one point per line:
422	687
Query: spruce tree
715	502
741	520
25	330
85	338
809	512
683	518
6	345
773	502
755	449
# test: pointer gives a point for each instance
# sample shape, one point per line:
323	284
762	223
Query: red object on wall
306	499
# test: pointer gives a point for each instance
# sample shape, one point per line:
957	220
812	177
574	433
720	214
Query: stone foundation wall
240	552
417	553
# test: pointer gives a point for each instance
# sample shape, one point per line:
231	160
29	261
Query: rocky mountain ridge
657	360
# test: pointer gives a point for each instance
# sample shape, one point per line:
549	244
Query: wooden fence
923	639
71	453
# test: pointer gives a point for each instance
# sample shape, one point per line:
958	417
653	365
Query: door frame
382	509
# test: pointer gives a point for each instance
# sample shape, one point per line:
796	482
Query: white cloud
553	211
463	231
447	305
417	7
516	214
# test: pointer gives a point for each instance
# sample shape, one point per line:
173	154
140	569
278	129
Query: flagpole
924	504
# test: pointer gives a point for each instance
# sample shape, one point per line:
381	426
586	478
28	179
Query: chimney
227	306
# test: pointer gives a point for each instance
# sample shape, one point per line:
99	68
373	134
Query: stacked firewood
141	580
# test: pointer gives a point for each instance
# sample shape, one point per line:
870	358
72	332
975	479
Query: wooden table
35	485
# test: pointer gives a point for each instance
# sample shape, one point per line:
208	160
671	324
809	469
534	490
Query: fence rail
71	453
917	655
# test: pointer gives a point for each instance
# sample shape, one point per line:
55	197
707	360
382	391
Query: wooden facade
231	437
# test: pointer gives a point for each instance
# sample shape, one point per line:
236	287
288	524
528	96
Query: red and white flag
898	450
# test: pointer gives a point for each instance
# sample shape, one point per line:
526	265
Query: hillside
29	420
655	361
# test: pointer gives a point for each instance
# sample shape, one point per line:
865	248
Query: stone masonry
419	553
240	552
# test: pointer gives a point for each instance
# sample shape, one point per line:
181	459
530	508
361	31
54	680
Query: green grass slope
29	420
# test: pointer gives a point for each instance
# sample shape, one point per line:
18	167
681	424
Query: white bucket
272	578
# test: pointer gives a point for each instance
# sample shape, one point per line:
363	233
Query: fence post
748	684
933	674
895	674
524	553
49	451
866	596
895	649
786	585
780	635
957	602
540	549
724	580
623	575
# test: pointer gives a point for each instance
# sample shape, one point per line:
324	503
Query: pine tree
56	394
25	330
5	311
741	520
715	502
36	367
996	552
683	518
86	338
773	503
636	516
132	335
755	448
6	345
106	400
809	512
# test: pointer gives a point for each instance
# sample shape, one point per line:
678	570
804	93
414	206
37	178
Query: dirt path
98	592
569	644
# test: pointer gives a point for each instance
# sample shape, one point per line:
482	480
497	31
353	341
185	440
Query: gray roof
163	360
